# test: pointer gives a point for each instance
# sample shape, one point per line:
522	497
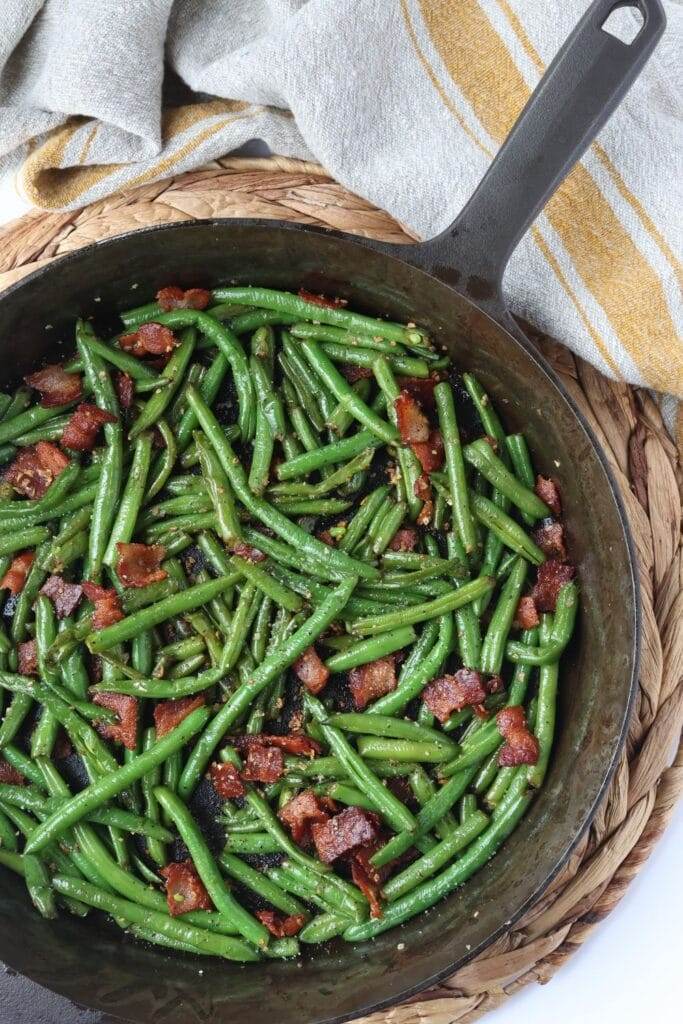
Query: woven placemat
627	422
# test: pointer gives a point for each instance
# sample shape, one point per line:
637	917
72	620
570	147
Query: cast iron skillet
91	962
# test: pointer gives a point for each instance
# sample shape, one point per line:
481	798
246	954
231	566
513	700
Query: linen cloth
405	102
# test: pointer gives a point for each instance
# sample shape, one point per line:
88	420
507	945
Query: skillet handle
580	90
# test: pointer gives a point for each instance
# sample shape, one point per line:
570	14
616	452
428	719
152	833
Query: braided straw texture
646	465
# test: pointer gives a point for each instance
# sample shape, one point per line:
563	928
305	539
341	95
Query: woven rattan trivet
646	466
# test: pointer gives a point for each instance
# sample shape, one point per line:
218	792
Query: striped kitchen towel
403	101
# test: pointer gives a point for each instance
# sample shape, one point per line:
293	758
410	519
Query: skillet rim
401	253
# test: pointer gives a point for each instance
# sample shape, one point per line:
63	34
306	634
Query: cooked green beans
261	446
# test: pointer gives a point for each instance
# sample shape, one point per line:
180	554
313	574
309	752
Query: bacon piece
263	764
173	297
430	453
279	926
125	388
454	692
321	300
170	713
150	339
368	682
56	386
413	425
423	491
125	708
526	616
354	373
9	774
302	811
185	890
139	565
293	743
63	747
15	577
548	490
326	538
107	605
550	538
28	658
368	878
34	469
521	746
81	431
226	780
550	578
247	551
64	596
422	390
344	833
405	540
311	670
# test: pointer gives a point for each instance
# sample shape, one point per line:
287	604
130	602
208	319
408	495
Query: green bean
220	491
22	422
411	469
15	862
292	305
493	648
401	750
134	599
39	887
208	388
122	360
422	612
330	887
480	455
358	526
340	337
395	728
8	838
24	539
431	891
106	495
131	499
546	709
302	405
170	379
369	650
45	732
511	534
403	364
565	616
115	782
462	513
437	857
284	655
521	463
262	510
19	401
262	453
397	815
487	414
260	884
51	430
252	843
323	927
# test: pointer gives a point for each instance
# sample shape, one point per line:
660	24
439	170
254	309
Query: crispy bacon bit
550	579
15	577
247	551
405	540
28	658
413	425
63	747
422	390
126	709
263	764
279	926
368	682
56	386
173	297
64	596
430	453
454	692
368	878
34	469
294	743
107	605
326	538
521	746
344	833
311	670
321	300
150	339
526	616
184	889
548	490
170	713
125	388
423	491
9	775
354	373
302	811
550	538
140	564
81	431
226	780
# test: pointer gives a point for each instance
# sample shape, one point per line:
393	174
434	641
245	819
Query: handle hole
624	23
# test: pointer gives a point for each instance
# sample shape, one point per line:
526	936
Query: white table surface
629	972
